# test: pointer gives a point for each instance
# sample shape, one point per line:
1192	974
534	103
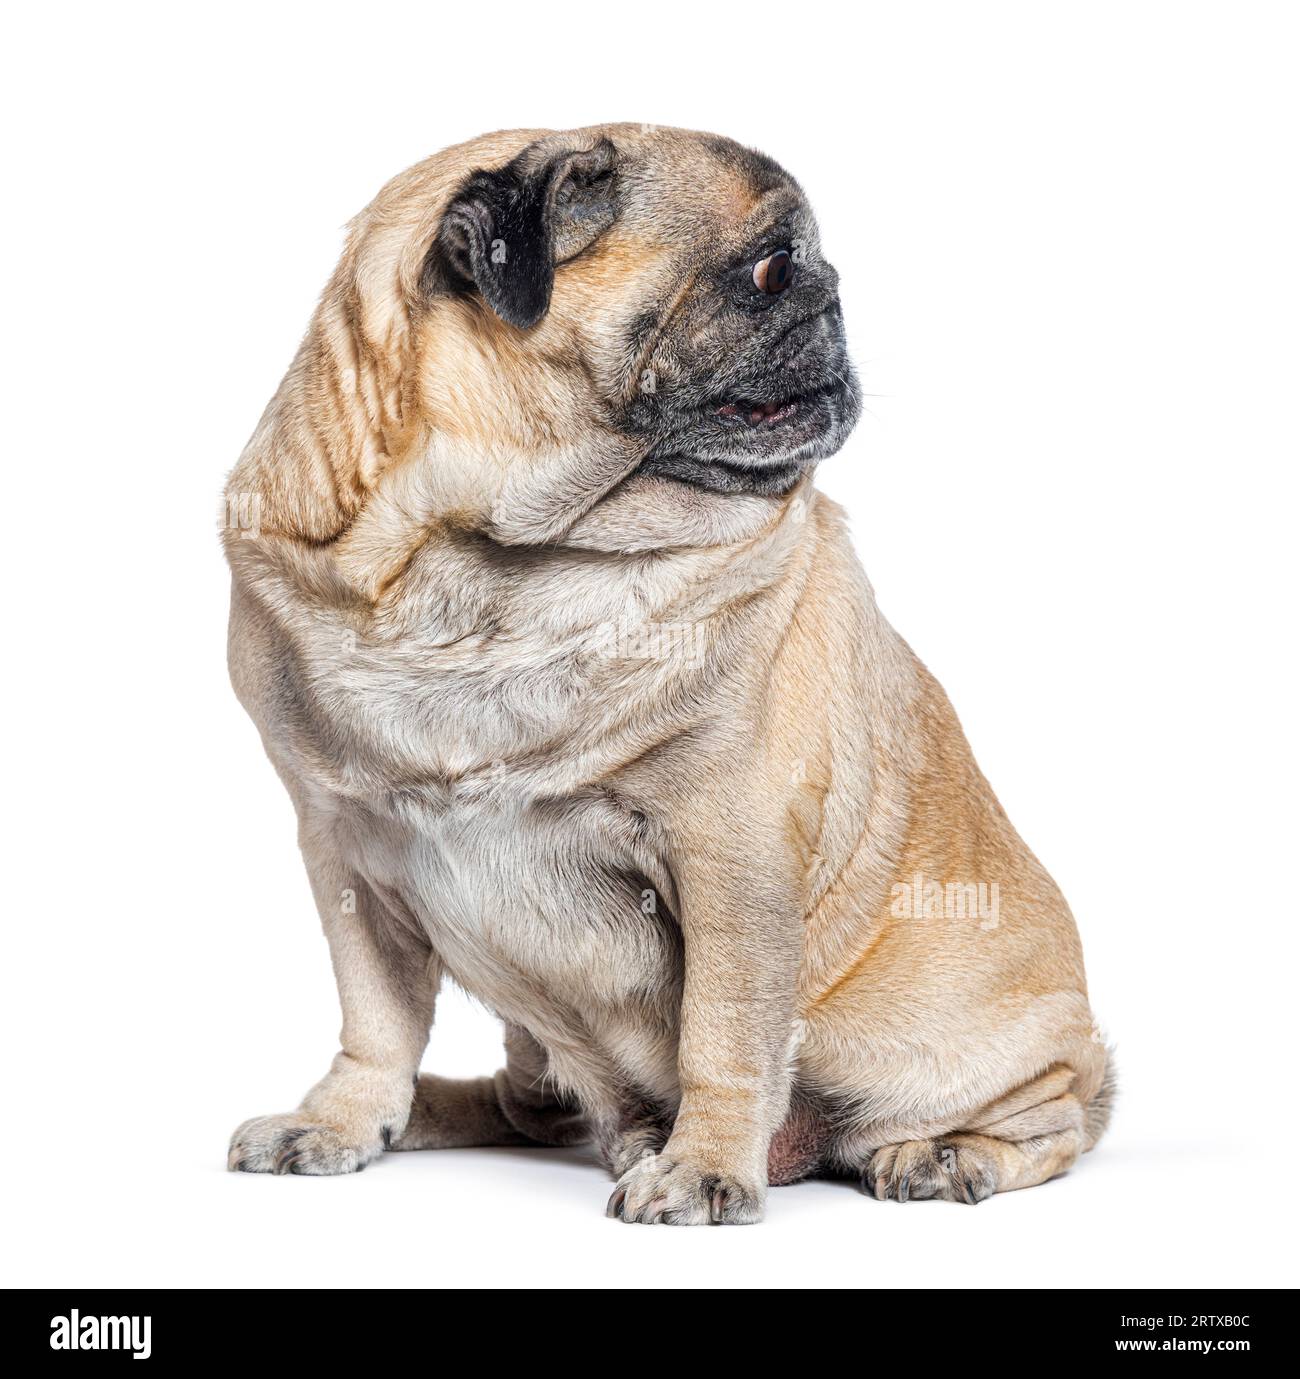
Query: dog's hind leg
966	1167
517	1106
1024	1138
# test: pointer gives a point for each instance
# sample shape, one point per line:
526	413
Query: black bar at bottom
384	1327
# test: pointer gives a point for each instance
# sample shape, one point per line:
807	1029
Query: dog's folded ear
504	231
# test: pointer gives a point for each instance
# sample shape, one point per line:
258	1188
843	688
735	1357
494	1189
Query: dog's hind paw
951	1168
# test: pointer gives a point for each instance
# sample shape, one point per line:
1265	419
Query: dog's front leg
742	940
387	979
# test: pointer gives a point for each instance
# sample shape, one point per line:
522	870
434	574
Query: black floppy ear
505	231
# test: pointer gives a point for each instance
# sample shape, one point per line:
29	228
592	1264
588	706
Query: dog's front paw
658	1189
296	1144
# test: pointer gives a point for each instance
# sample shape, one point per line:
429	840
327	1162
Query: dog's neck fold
349	478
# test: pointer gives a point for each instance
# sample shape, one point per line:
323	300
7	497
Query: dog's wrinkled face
751	380
677	279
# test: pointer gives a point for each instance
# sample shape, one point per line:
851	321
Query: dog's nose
774	273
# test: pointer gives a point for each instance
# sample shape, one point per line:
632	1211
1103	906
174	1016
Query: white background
1067	236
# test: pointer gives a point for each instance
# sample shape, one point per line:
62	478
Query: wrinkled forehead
702	191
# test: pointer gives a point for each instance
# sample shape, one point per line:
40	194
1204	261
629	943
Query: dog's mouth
771	407
759	429
745	443
749	413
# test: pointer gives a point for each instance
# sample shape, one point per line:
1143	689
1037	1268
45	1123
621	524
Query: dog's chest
513	888
471	796
466	766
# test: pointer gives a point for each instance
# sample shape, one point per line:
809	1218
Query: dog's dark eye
773	274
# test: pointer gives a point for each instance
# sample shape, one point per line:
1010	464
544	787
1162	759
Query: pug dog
584	704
